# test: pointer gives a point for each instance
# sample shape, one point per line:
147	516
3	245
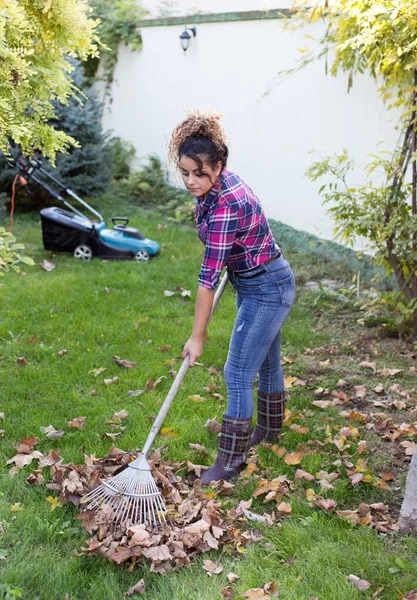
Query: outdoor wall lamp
185	37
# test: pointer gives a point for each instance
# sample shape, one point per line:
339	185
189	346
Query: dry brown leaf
368	365
77	423
390	372
360	392
228	592
46	265
212	568
127	364
21	360
300	474
284	507
119	416
213	425
111	381
138	588
293	458
361	584
361	446
322	403
196	398
198	448
232	577
299	428
51	433
62	352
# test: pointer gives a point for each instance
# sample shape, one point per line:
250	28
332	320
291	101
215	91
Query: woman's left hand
193	347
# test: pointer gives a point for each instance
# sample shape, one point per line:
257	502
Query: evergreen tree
86	169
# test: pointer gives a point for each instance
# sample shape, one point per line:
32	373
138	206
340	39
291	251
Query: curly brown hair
200	133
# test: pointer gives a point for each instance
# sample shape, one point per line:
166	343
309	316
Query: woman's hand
193	347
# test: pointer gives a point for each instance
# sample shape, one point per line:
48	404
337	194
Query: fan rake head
132	494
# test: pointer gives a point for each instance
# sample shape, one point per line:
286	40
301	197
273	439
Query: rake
132	493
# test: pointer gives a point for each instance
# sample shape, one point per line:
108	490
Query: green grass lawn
103	309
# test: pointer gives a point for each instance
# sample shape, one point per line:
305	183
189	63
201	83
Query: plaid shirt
233	227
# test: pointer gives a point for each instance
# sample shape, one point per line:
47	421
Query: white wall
229	67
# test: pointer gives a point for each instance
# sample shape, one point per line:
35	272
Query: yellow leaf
293	458
168	432
299	428
289	382
249	470
196	398
16	507
55	503
310	494
279	451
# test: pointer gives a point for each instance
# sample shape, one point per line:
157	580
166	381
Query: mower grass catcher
70	231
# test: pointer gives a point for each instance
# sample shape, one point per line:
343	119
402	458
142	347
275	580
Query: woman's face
198	181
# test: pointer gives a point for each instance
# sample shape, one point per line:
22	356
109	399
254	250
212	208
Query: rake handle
178	379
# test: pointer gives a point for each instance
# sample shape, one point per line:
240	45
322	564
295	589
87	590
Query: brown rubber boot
271	408
234	444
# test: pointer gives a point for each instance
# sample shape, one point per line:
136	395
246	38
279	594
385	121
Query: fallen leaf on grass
196	398
268	589
55	503
212	568
300	474
360	392
127	364
293	458
78	423
361	446
228	592
299	428
96	372
198	448
168	432
390	372
111	381
16	507
21	360
368	365
322	403
46	265
168	293
119	416
409	447
289	382
232	577
361	584
135	393
62	352
165	348
213	425
284	507
138	588
51	433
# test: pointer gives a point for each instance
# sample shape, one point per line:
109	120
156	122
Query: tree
37	38
378	36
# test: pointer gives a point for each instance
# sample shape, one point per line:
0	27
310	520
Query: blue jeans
263	302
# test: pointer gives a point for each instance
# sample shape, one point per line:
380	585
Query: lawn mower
71	231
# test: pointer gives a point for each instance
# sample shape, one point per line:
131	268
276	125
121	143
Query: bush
150	187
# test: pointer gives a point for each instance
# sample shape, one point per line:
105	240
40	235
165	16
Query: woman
233	227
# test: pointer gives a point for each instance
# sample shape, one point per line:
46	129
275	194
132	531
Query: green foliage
122	152
119	21
37	39
10	258
377	37
383	214
150	187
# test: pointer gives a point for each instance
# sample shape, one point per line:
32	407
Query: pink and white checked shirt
233	227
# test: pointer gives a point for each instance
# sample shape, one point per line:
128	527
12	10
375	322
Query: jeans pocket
286	289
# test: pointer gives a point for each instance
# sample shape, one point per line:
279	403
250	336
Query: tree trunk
408	513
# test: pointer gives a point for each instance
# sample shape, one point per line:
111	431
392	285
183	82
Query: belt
266	262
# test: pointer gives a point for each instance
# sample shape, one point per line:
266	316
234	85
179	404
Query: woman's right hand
193	347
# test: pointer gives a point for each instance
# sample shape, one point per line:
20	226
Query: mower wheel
83	253
141	256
